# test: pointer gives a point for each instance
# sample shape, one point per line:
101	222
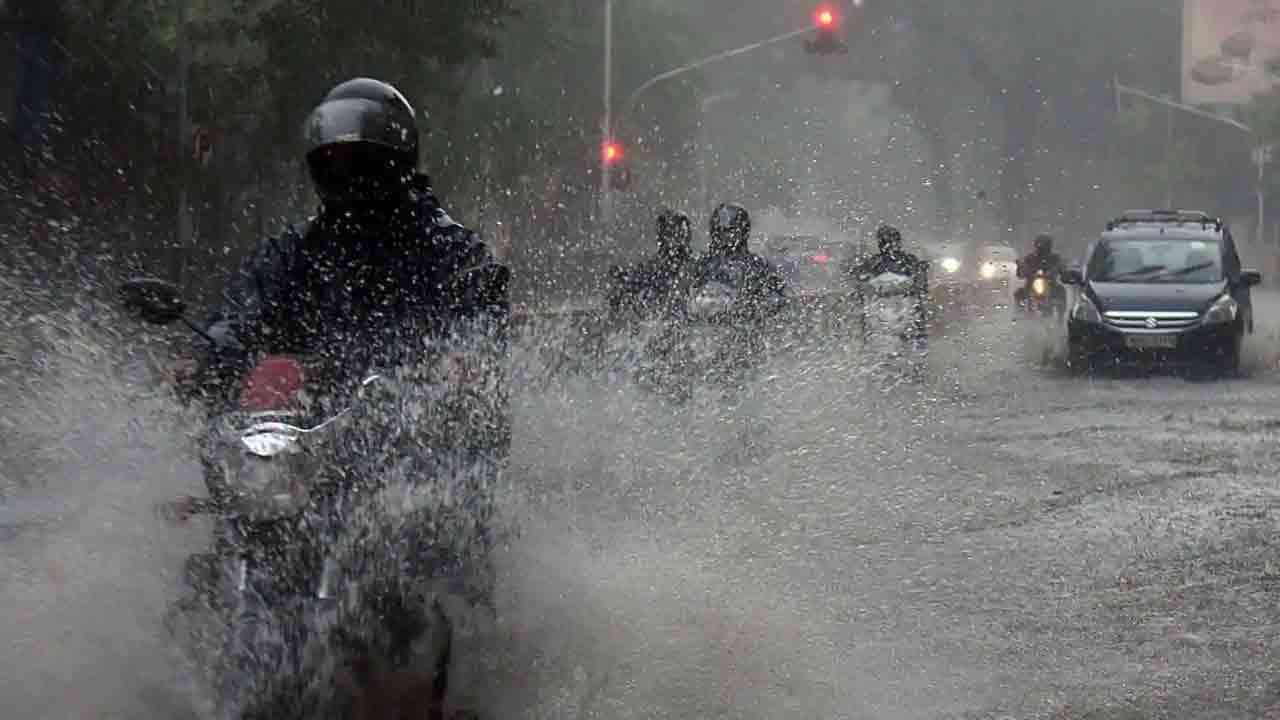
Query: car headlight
950	264
988	271
1224	310
1086	311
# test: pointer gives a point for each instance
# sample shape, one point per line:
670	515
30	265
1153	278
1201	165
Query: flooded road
1005	541
1008	542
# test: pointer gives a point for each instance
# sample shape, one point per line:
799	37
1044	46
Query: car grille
1151	320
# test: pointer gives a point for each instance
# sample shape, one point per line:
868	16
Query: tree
1026	56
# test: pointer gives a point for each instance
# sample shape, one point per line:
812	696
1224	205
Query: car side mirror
1072	276
157	302
1249	278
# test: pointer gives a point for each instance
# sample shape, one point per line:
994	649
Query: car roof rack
1187	217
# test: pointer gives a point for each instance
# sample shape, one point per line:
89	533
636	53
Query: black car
1161	286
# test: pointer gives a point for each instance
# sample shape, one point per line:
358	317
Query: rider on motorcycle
381	259
379	265
1041	258
892	258
729	260
380	270
646	287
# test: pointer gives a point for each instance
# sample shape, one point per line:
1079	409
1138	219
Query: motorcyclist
380	263
729	260
1043	258
377	270
893	258
645	287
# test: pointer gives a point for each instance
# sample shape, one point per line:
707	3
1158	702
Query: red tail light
272	384
819	258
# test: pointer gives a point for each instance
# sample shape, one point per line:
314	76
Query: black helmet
730	228
361	138
1044	243
889	238
675	232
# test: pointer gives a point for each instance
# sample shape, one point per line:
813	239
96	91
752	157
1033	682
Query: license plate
1151	342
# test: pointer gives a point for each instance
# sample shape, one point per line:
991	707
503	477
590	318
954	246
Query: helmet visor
357	171
354	120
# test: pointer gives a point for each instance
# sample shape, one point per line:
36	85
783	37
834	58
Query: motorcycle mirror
155	301
1072	276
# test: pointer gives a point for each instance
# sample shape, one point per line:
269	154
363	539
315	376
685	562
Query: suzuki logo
1152	323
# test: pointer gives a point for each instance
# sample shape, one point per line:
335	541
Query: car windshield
1156	260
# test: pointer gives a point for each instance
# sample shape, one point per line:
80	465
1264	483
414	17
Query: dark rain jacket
758	282
650	287
359	295
900	263
1050	262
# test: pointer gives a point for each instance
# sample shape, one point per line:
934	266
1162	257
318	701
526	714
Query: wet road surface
1005	541
1008	542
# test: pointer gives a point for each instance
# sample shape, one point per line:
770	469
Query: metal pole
1168	159
704	167
696	64
606	197
1262	195
1183	107
184	132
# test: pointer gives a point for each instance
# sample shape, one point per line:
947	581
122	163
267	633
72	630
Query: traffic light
826	21
614	158
611	152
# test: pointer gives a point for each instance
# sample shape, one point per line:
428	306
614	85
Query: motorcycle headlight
1224	310
950	265
988	271
269	444
1039	286
1086	311
266	473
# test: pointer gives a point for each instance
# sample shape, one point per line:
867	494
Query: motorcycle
713	337
890	318
1043	296
300	579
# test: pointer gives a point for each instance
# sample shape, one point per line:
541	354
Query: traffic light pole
697	64
1261	154
606	194
606	188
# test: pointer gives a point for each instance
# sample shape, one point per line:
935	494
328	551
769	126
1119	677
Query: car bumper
1202	343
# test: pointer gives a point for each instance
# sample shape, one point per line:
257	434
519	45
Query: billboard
1227	48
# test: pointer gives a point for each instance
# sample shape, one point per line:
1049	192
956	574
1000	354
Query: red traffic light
611	152
824	17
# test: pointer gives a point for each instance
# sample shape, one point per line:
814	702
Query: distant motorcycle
1043	296
890	318
714	338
